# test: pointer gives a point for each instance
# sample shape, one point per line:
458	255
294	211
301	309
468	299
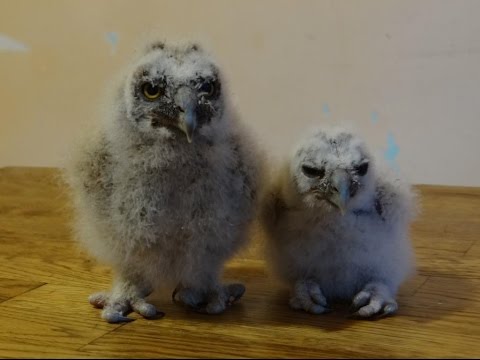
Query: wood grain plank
50	320
10	288
439	313
22	350
265	326
474	251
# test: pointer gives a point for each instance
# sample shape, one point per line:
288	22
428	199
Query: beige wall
410	69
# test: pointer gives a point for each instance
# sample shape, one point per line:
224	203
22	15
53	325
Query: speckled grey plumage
160	210
361	256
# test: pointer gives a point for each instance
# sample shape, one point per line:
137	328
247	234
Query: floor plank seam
471	245
22	293
423	283
99	337
438	316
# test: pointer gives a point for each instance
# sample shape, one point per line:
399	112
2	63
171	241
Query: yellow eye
151	92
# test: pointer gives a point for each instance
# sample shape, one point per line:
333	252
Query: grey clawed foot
211	302
373	302
308	296
116	308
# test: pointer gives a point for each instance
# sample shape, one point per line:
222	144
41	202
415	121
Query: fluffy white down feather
362	256
160	210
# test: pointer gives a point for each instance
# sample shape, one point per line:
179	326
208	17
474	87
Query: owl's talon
143	308
115	310
360	300
98	299
175	292
235	291
373	302
308	296
115	317
390	308
212	302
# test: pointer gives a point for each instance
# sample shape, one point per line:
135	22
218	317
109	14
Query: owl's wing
395	200
90	170
247	164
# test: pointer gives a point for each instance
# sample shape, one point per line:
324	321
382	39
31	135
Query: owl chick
337	226
166	189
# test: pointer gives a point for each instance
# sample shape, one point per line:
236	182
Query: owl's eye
207	89
313	172
151	92
362	169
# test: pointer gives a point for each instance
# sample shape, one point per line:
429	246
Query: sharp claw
353	309
114	310
359	316
227	295
372	303
360	300
390	309
158	315
199	309
115	317
319	301
316	309
308	296
98	300
174	293
375	316
145	309
236	291
355	315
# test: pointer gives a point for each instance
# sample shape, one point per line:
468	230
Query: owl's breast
178	203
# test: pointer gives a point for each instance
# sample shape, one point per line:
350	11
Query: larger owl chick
337	225
166	189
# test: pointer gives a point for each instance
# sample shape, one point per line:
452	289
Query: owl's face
333	170
174	92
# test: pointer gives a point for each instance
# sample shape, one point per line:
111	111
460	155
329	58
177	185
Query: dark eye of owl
207	89
313	172
362	169
151	92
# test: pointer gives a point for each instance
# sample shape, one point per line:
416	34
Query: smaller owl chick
337	226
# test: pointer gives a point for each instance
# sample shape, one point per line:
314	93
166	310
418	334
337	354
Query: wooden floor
45	281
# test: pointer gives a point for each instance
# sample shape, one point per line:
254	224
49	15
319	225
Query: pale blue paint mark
392	151
112	38
326	109
374	117
9	44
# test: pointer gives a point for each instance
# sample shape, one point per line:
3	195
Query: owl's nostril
334	189
179	108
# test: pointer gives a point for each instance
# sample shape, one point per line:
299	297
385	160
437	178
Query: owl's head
174	92
333	169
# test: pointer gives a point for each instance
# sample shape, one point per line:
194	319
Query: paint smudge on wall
326	109
9	44
374	117
392	151
112	38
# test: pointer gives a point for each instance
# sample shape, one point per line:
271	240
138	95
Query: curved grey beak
186	101
340	190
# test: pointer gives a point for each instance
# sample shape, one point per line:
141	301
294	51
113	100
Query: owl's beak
187	118
340	190
187	122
